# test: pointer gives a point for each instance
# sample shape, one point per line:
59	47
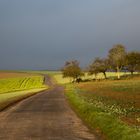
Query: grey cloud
43	34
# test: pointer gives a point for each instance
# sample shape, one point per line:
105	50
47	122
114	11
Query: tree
72	69
117	57
99	65
133	61
92	70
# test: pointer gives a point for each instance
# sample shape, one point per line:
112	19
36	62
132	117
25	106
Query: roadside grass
7	99
23	83
98	119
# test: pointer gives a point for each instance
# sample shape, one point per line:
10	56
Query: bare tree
117	58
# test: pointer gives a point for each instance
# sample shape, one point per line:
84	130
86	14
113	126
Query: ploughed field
4	74
16	86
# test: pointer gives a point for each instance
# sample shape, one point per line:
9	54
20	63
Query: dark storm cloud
43	34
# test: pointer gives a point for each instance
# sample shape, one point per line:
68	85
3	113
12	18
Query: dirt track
45	116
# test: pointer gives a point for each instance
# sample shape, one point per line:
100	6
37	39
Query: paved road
45	116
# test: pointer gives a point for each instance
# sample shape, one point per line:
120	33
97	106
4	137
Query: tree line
118	59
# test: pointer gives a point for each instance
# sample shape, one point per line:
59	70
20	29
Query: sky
43	34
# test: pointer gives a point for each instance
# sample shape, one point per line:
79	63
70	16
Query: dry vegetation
121	97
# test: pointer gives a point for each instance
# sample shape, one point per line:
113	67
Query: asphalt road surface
45	116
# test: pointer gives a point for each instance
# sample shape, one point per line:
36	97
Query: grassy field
98	118
17	86
120	98
111	107
57	75
110	75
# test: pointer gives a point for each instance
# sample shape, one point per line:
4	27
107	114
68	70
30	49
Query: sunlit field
16	86
23	83
109	106
119	96
111	75
7	99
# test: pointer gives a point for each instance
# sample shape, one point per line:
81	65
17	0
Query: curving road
45	116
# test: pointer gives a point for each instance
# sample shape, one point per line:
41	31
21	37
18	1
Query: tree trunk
70	79
118	72
95	76
132	72
105	75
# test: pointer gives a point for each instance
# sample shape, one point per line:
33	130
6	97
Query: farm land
15	86
12	74
110	107
121	98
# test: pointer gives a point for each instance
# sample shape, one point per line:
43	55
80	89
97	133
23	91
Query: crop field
16	86
23	83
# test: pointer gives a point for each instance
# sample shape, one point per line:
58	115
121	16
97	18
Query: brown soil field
4	75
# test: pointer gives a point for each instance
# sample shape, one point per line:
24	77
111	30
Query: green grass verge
96	118
6	99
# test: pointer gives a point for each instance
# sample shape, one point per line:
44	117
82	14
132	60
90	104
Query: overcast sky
43	34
